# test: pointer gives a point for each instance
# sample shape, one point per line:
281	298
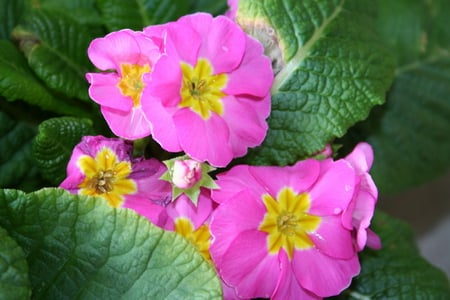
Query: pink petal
246	213
333	190
373	240
299	177
144	207
183	43
242	81
288	287
332	239
184	207
130	125
104	91
323	275
361	158
246	120
203	140
248	267
114	49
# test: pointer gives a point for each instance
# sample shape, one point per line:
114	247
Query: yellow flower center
287	222
131	84
201	90
106	177
200	238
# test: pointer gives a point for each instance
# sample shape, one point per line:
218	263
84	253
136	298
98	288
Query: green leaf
10	13
17	81
17	169
84	11
56	48
410	134
330	71
54	144
14	281
80	247
213	7
397	270
137	14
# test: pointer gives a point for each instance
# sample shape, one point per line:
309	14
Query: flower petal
104	91
325	276
155	213
130	125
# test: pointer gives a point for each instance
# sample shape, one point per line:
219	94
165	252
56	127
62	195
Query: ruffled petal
130	125
104	91
184	207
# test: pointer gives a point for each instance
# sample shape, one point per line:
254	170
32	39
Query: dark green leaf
10	13
330	70
56	48
137	14
410	134
16	163
79	247
397	271
18	82
213	7
54	143
14	281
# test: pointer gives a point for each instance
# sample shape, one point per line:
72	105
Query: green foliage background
346	71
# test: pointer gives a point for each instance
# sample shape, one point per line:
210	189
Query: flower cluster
201	86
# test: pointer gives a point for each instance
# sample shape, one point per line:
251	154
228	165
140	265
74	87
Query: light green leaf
397	270
10	13
56	48
17	81
17	169
410	134
14	281
137	14
54	144
80	247
330	70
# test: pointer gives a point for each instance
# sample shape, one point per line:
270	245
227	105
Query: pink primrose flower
125	56
360	211
277	231
104	167
209	95
190	221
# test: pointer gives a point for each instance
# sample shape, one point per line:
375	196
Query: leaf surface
80	247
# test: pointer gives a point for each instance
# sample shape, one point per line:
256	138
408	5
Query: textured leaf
14	281
330	71
137	14
10	13
18	82
56	48
54	144
16	163
79	247
213	7
397	270
84	11
410	134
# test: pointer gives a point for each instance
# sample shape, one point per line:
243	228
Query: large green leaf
17	169
397	271
79	247
410	134
54	144
137	14
14	281
56	48
10	13
213	7
18	82
330	70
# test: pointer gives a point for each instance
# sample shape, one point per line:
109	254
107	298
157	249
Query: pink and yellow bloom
278	232
104	167
205	99
127	57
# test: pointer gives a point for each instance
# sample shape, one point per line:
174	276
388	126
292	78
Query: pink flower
130	55
232	8
360	211
204	98
278	233
104	167
186	173
192	222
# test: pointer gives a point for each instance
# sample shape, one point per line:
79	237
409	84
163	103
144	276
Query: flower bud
186	173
